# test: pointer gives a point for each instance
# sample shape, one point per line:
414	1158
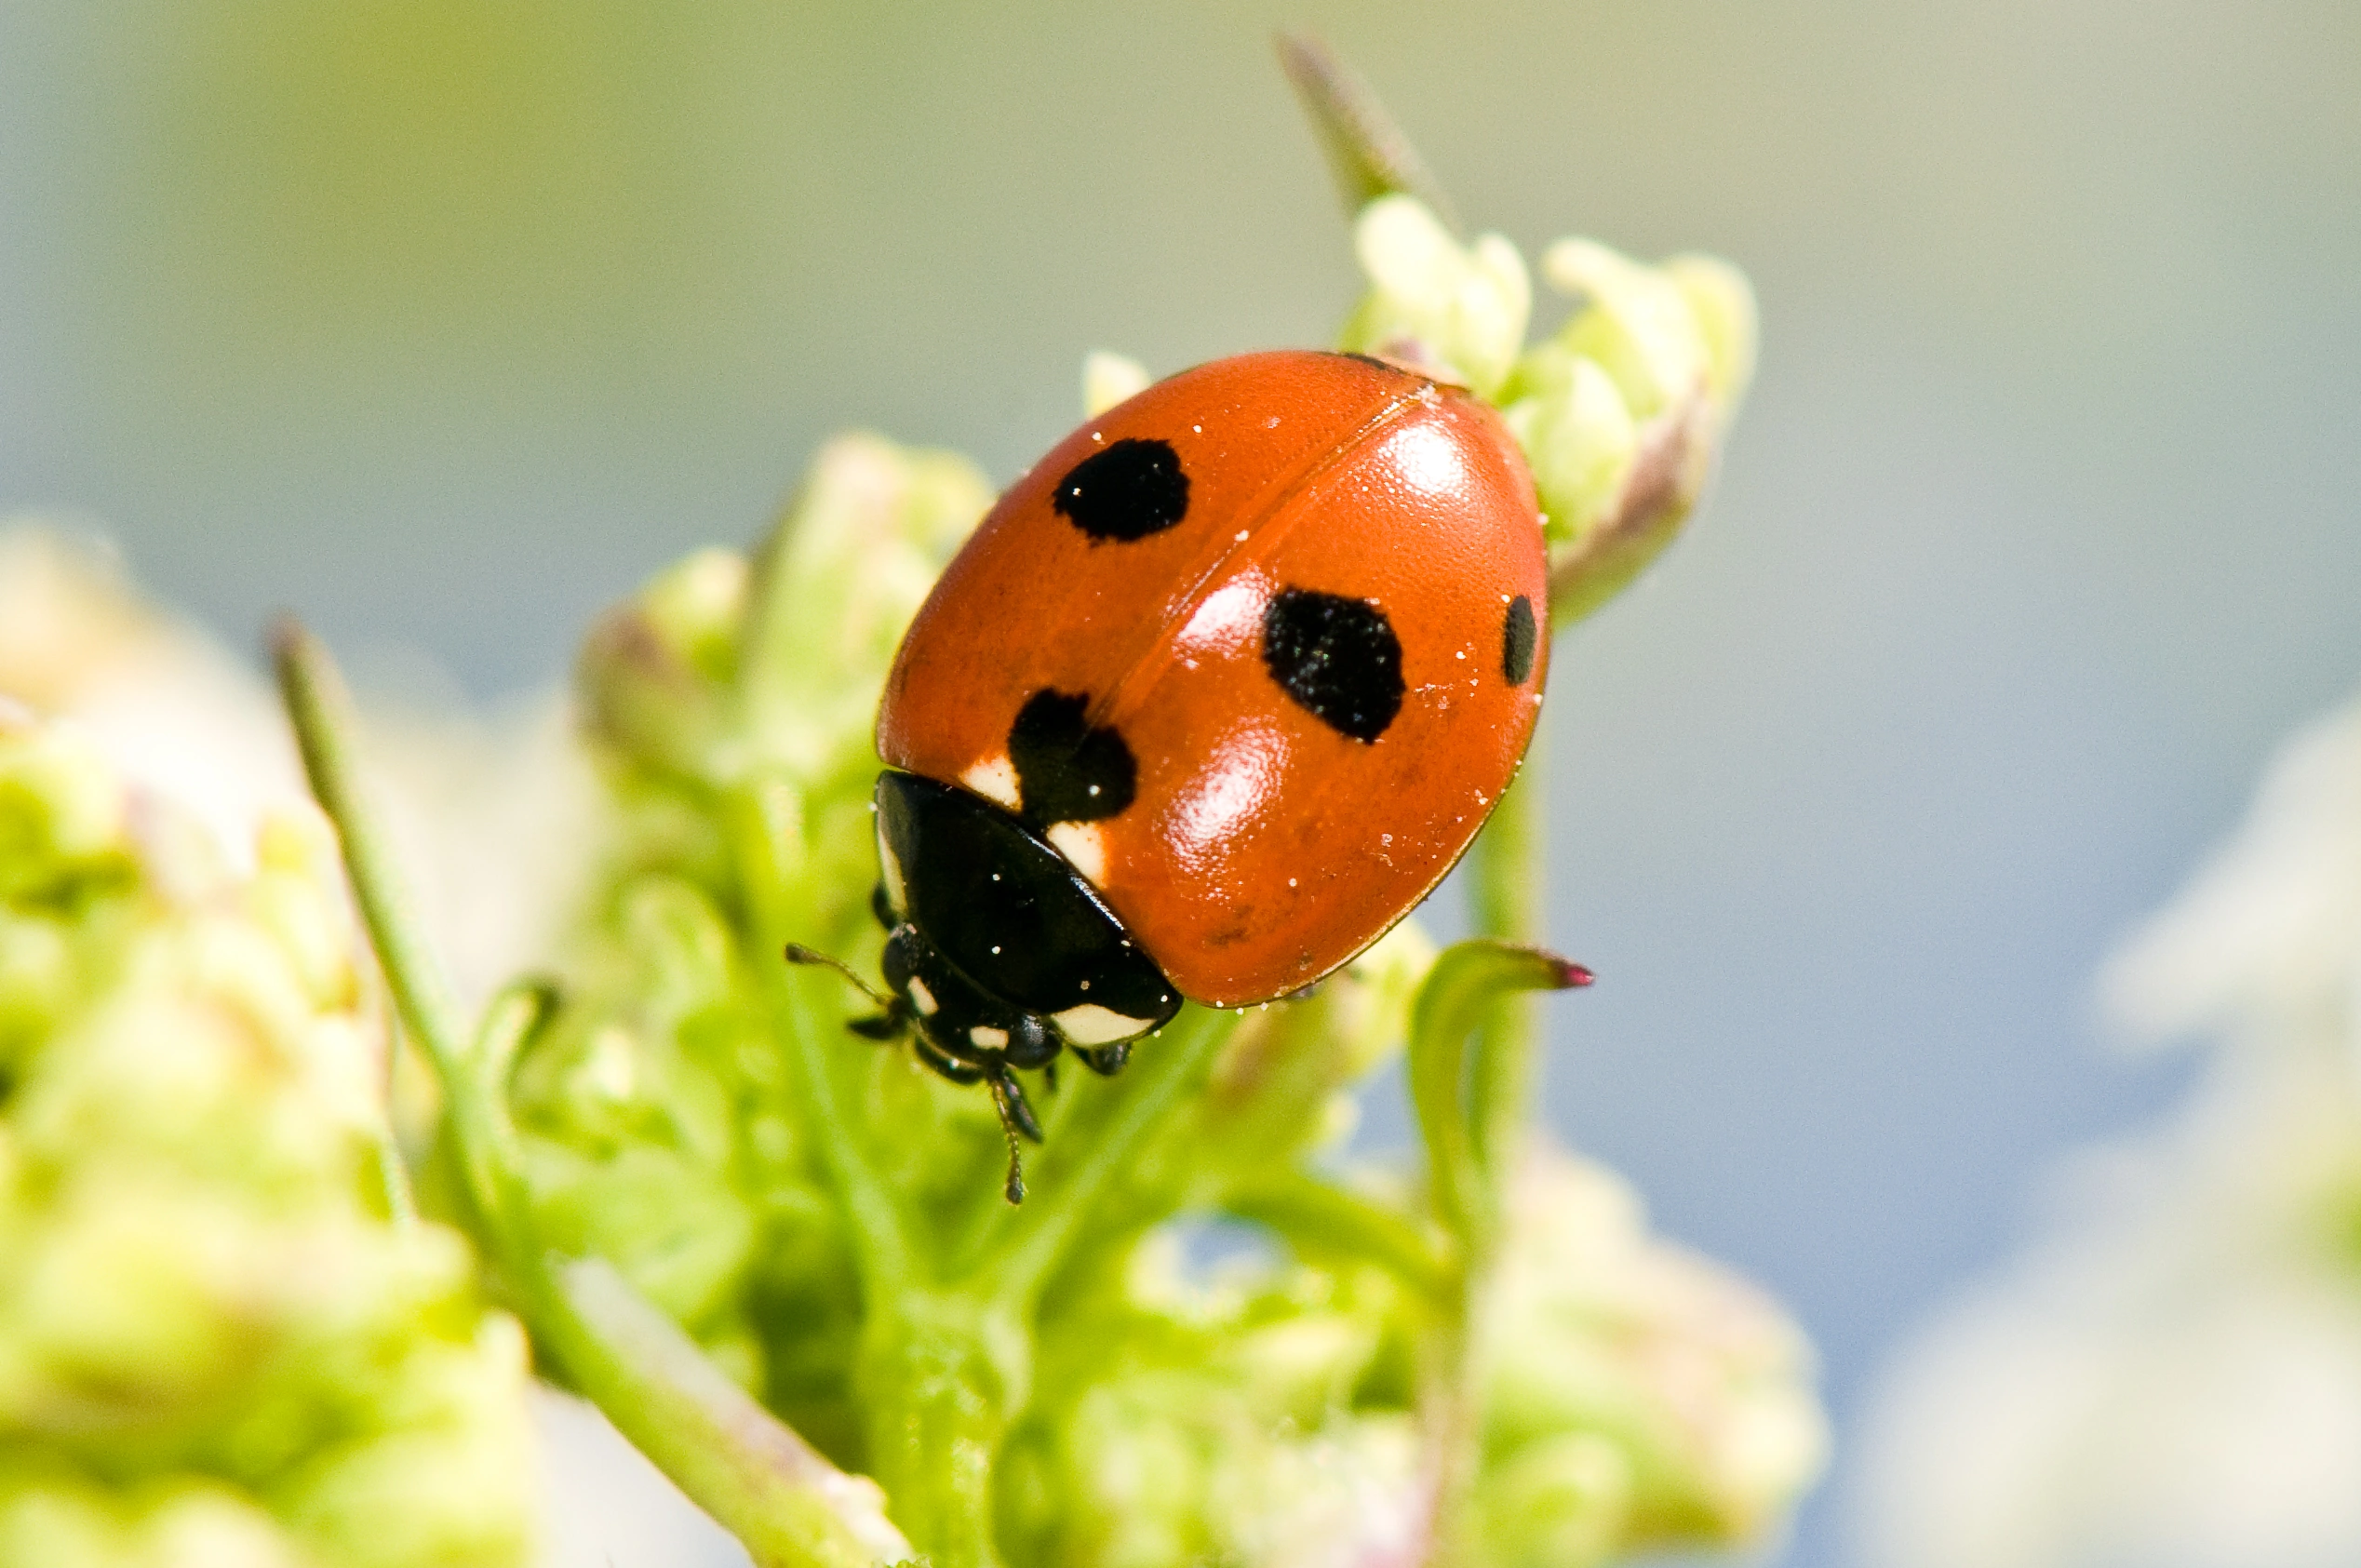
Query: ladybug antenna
798	954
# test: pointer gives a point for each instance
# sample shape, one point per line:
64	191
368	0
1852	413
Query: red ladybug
1214	696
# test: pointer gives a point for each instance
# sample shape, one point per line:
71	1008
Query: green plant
224	1337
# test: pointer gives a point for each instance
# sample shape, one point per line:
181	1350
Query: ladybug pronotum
1216	694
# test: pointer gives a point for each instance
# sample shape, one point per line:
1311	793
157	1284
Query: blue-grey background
447	320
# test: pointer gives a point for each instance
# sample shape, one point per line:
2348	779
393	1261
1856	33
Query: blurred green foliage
217	1344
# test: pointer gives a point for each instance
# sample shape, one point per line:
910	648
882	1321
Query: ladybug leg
891	1024
948	1065
882	907
1048	1075
1105	1060
1009	1095
1016	1117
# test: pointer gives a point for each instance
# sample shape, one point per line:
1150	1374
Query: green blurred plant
224	1337
777	1256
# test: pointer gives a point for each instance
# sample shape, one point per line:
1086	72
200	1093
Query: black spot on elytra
1132	489
1337	657
1068	769
1519	638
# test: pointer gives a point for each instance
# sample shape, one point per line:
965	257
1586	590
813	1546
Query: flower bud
1225	1430
1563	1502
672	1225
1109	379
462	1439
63	818
835	585
61	1524
654	672
1623	409
1701	1387
1458	310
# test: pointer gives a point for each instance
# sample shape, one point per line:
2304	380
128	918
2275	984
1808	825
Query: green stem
941	1375
1367	153
756	1477
767	824
1320	1221
1473	1104
1448	1035
1508	907
817	1047
1454	1009
321	711
945	1370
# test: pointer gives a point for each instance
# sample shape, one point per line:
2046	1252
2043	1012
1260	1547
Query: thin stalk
761	1480
1450	1026
392	1179
816	1047
942	1374
1317	1219
321	711
1475	1107
1368	156
947	1369
1507	895
766	822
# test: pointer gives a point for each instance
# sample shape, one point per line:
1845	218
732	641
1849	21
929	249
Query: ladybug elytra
1216	693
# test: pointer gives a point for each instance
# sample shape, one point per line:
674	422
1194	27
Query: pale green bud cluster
1261	1417
1460	310
724	664
658	1124
1639	1398
1621	412
1639	1395
216	1345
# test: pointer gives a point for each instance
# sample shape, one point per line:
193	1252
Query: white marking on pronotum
986	1036
920	998
1093	1024
897	893
1083	847
995	779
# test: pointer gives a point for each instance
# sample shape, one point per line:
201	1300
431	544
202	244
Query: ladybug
1216	694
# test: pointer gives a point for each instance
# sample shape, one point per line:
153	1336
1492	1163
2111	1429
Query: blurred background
448	320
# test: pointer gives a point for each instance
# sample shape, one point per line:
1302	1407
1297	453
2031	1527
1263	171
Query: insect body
1216	694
